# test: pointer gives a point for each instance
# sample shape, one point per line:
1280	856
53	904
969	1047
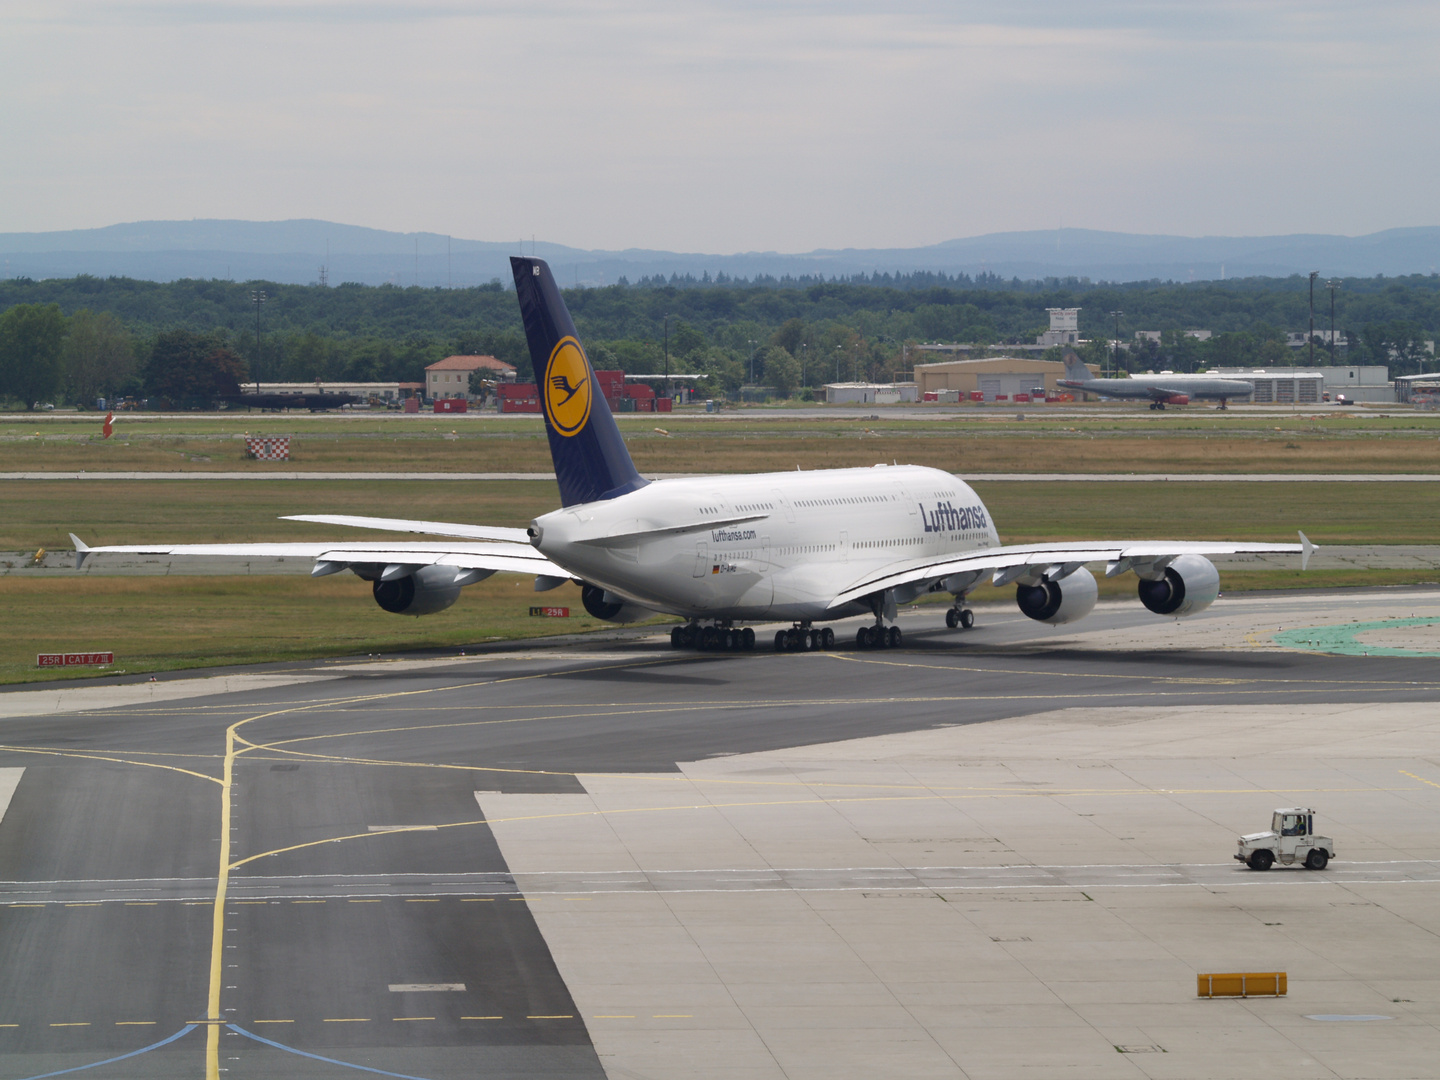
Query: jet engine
1178	399
1190	585
1057	602
428	590
611	608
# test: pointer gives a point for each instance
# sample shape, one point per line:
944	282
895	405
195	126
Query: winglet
81	550
1306	550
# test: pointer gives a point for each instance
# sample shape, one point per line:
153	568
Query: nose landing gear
961	617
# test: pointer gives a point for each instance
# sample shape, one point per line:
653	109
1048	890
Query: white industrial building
1064	327
858	393
365	391
1357	383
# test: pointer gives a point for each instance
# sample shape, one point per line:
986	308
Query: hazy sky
721	127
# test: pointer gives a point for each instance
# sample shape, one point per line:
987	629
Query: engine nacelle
428	590
1178	399
609	607
1190	585
1057	602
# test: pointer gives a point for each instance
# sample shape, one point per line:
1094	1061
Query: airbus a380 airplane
721	551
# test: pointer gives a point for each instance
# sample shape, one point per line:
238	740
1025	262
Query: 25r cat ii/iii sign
74	659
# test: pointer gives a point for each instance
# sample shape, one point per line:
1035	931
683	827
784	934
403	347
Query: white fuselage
808	536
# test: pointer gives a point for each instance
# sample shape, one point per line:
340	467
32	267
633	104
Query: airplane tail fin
591	461
1075	371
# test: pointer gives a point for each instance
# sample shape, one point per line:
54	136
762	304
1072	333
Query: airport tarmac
996	853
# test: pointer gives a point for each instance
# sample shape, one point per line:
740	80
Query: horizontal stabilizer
426	528
331	558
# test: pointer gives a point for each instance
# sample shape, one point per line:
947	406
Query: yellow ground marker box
1242	984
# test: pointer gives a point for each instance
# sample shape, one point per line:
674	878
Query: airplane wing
382	559
1011	562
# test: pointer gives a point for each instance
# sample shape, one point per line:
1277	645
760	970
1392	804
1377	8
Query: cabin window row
849	501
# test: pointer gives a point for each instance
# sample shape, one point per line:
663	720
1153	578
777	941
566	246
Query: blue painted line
316	1057
110	1061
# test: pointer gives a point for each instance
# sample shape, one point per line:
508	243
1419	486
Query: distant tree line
77	339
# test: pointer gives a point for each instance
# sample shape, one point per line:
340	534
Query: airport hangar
998	854
993	377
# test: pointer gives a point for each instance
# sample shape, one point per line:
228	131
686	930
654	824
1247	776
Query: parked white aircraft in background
1167	388
720	551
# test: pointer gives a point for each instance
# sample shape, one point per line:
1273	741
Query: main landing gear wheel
712	638
877	637
803	639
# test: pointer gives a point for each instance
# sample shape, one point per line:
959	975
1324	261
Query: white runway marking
424	988
9	779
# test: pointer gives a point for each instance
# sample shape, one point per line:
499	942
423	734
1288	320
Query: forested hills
862	327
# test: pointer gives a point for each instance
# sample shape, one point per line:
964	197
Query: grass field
980	443
164	624
40	513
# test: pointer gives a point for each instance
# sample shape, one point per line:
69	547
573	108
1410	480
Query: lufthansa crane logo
567	387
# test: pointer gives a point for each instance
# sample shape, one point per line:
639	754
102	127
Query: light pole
257	298
754	345
804	356
1332	285
1115	348
667	354
1311	340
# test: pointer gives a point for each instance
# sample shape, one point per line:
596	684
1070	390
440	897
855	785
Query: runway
615	859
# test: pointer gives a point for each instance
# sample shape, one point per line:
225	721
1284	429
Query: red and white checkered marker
269	448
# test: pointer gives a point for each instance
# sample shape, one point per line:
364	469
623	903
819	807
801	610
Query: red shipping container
1022	397
931	395
664	404
976	395
519	397
450	405
611	385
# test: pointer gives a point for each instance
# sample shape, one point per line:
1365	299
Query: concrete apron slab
1018	898
83	698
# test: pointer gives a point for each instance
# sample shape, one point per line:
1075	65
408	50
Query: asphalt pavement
298	878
